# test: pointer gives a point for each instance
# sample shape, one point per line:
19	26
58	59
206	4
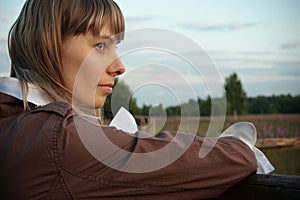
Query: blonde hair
35	39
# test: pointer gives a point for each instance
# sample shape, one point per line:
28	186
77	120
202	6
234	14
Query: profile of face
90	64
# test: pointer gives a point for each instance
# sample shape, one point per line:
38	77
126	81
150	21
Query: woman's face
89	65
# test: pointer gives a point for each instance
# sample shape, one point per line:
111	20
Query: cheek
71	64
86	80
91	69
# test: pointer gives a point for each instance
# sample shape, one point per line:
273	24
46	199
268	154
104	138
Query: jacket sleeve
96	161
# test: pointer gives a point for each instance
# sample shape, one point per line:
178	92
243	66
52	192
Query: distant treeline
273	104
237	103
253	105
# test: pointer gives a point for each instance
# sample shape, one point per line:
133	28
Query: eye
101	46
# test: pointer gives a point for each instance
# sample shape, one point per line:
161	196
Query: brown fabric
42	157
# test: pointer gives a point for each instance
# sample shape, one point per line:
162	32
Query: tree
173	111
259	105
124	94
288	104
235	95
145	109
205	106
157	110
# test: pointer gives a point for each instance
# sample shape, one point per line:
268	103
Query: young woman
63	54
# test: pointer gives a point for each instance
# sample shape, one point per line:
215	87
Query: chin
99	103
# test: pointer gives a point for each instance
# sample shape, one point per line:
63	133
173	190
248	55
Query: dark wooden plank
265	187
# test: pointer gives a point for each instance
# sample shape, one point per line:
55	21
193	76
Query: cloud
3	45
4	65
290	45
138	18
3	74
4	58
269	78
5	19
3	41
217	27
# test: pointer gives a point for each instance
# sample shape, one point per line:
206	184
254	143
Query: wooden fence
265	187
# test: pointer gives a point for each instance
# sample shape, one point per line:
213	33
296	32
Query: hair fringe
36	37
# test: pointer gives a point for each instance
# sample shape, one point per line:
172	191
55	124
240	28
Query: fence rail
265	187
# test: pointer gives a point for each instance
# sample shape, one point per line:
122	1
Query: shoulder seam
56	160
61	108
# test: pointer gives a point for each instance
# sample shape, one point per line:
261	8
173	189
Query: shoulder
71	133
60	108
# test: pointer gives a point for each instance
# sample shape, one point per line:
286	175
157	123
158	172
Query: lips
107	88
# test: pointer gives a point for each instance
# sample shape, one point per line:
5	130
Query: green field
268	126
285	160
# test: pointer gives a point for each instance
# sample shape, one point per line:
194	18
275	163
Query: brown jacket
42	157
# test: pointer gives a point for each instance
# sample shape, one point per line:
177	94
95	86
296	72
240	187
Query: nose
116	68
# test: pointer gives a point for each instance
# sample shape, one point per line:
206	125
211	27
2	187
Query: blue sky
258	39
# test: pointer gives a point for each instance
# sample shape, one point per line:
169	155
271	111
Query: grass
268	126
285	160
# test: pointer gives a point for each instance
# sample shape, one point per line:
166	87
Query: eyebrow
110	38
104	36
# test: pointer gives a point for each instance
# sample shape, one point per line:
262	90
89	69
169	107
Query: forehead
107	33
103	36
106	30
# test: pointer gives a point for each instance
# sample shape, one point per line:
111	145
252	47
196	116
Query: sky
257	39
